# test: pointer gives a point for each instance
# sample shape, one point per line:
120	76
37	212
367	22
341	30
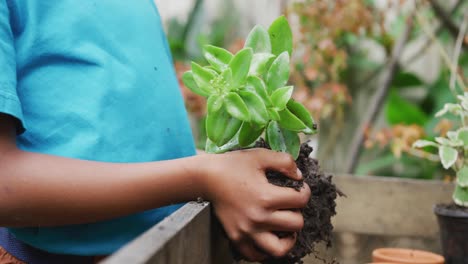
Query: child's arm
45	190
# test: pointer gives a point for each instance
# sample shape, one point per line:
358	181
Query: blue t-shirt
92	80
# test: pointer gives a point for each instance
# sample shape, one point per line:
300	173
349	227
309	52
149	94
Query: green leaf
303	114
190	83
227	84
462	135
260	63
462	177
219	58
424	143
290	122
259	40
464	101
249	133
221	127
236	107
281	36
256	107
211	147
406	79
278	74
256	85
273	114
282	140
215	102
203	78
449	108
401	111
448	156
281	96
240	66
452	135
447	142
460	196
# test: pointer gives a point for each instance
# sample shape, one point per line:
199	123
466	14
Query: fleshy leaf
215	102
278	74
273	114
203	78
256	107
303	114
281	36
448	156
281	96
259	40
249	133
211	147
256	85
424	143
240	66
282	140
190	83
219	58
221	127
260	63
460	196
462	177
290	121
227	84
236	107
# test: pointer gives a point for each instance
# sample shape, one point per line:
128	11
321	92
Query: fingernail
299	173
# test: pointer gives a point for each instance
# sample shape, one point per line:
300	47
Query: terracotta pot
405	256
453	225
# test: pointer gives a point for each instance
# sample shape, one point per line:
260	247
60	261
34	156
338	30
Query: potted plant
247	98
453	152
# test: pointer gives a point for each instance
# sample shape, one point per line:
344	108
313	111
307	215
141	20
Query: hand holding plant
248	96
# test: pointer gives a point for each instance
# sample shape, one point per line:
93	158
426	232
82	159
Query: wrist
203	175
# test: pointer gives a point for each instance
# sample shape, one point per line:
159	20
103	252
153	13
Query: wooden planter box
389	206
374	206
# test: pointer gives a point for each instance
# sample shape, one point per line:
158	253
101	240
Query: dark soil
319	210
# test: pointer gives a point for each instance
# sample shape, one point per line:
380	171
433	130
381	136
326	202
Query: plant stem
445	18
191	22
424	25
439	28
376	103
458	47
417	54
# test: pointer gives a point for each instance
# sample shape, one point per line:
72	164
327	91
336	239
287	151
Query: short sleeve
9	101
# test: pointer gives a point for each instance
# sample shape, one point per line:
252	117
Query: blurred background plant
339	79
412	100
372	72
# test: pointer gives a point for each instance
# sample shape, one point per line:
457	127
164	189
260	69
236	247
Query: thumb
281	162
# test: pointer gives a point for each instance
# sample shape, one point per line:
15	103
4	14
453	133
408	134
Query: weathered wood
373	206
184	237
389	206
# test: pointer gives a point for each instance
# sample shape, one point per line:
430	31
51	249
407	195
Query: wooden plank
183	237
389	206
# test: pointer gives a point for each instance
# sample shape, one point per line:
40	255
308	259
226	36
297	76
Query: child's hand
250	208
